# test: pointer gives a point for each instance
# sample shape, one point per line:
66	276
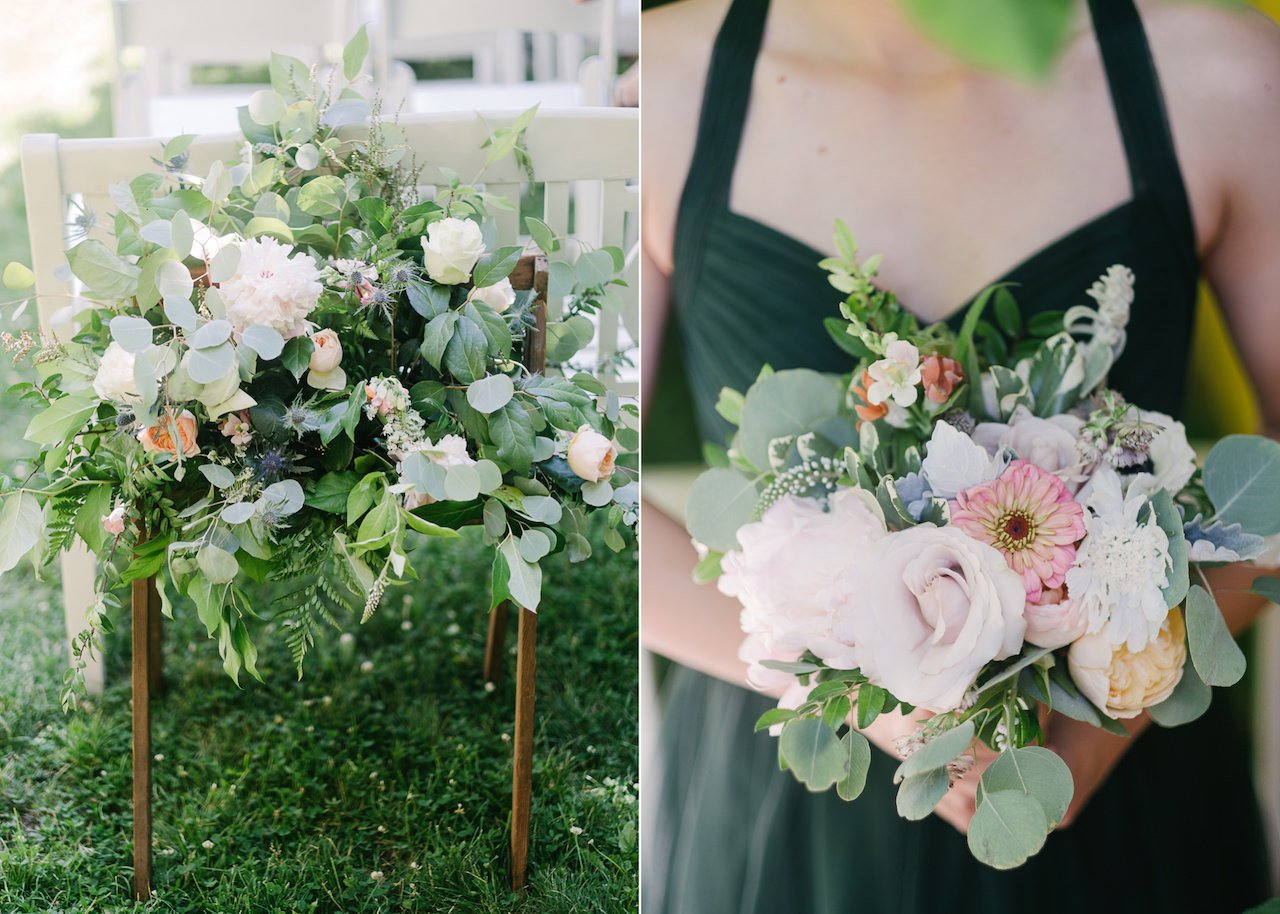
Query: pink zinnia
1029	516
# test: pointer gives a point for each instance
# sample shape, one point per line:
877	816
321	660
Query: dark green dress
1176	827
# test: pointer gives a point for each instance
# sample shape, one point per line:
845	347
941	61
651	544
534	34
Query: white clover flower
272	288
897	376
1121	566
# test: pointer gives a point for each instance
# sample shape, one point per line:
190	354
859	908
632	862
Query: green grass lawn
380	782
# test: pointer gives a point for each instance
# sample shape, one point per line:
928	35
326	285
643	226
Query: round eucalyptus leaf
219	476
785	403
1037	772
490	476
1008	827
173	280
918	794
239	512
490	394
224	264
542	508
720	502
534	544
205	366
307	156
213	333
181	312
265	341
285	497
461	483
1190	699
266	107
1242	478
218	565
813	753
597	494
132	333
1217	657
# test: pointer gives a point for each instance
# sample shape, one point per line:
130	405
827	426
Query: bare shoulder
677	50
1220	71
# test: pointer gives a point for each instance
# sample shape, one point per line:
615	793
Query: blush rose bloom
792	570
500	296
1056	620
931	608
1122	683
158	438
114	380
591	455
451	249
1049	443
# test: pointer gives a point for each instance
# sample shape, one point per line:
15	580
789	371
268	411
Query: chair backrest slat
589	156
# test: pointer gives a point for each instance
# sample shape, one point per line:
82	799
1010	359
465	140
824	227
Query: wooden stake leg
155	639
142	674
522	769
497	641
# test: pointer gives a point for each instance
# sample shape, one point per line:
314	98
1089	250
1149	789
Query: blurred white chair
408	29
597	149
159	42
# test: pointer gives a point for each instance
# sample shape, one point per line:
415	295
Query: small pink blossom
238	429
113	523
1031	518
380	398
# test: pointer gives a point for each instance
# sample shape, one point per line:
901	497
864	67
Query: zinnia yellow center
1014	530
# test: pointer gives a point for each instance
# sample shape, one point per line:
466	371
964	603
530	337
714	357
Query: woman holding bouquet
1148	147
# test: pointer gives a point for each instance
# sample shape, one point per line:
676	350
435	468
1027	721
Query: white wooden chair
596	148
159	42
408	30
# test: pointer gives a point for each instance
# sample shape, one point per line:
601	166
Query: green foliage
1242	479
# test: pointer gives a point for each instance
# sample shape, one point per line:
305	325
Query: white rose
791	571
114	380
272	288
954	462
1120	682
591	455
326	357
451	249
932	608
1049	443
500	296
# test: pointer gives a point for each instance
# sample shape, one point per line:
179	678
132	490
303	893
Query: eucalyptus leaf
813	753
219	476
461	483
238	513
1217	657
491	393
721	501
1190	699
785	403
524	581
217	564
857	753
1007	828
132	333
1242	479
938	752
265	341
206	366
21	526
1037	772
920	793
211	334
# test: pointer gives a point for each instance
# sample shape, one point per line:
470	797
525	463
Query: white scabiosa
1121	566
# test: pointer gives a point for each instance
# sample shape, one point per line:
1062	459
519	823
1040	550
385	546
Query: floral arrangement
971	523
284	369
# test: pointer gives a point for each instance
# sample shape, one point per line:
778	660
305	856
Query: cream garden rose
591	455
500	296
792	569
114	380
326	358
1120	682
451	249
930	608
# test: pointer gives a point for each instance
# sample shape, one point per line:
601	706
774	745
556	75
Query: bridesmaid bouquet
971	523
284	369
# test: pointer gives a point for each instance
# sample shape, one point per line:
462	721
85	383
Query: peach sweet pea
158	438
940	376
865	410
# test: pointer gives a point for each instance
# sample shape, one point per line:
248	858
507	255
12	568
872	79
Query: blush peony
793	570
272	288
931	607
